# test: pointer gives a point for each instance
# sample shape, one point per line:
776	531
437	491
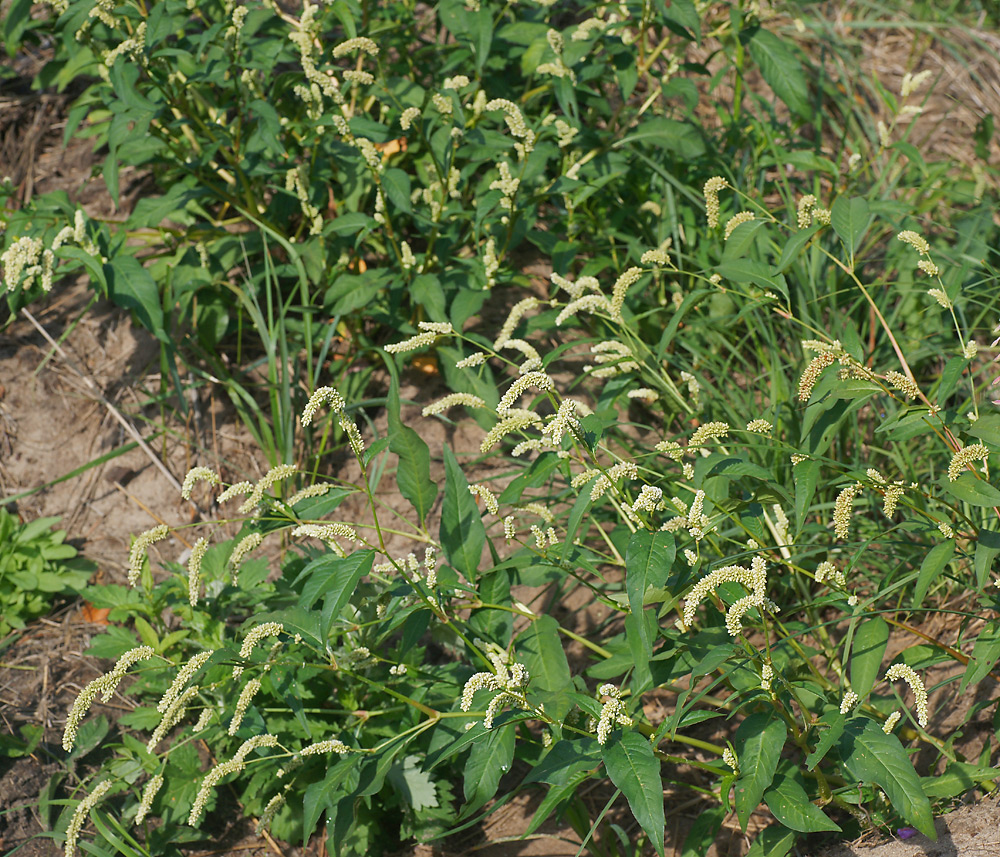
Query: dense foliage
747	416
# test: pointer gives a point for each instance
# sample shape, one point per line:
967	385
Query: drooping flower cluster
507	679
754	579
712	188
965	457
231	766
105	685
843	509
907	674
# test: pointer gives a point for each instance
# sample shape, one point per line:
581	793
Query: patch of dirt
971	831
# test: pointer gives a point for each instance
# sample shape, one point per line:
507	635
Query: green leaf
489	760
985	654
335	577
396	185
867	651
972	490
758	742
874	757
935	561
131	286
648	559
794	246
758	273
782	71
742	240
835	721
790	804
462	532
542	652
773	841
679	138
987	548
415	785
413	475
850	219
987	429
634	768
806	475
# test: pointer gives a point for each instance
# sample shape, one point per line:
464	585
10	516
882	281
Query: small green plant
36	566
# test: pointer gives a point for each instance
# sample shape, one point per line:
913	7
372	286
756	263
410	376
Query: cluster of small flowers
148	794
322	396
533	380
105	685
231	766
576	289
712	188
612	358
766	677
729	757
970	349
623	469
826	570
253	637
659	256
812	372
294	184
172	716
891	721
487	496
891	494
183	676
558	68
508	681
754	579
628	278
713	431
965	457
585	303
243	549
650	500
516	124
328	533
644	393
612	712
491	263
843	509
137	553
736	220
249	691
907	674
946	530
513	421
760	427
81	813
133	47
273	476
430	332
564	420
452	400
198	551
693	385
698	522
781	526
903	383
849	701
